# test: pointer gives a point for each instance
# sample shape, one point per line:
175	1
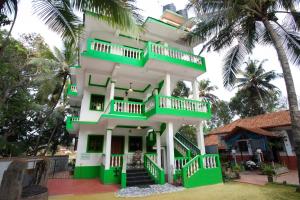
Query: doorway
117	144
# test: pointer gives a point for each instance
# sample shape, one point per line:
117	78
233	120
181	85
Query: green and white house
122	102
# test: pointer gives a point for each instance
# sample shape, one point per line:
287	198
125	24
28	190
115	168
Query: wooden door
117	144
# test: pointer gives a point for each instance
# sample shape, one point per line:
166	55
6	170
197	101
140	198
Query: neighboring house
269	132
126	117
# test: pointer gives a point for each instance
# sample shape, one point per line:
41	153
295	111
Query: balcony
72	90
70	123
161	105
139	57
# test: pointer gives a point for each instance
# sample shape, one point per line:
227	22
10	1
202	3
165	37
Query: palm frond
232	64
59	17
121	14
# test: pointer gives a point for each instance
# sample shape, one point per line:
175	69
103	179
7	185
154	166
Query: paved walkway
75	187
253	177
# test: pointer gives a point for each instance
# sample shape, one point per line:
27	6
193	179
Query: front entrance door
117	144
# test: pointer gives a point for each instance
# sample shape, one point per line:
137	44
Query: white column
200	138
158	148
196	90
170	151
107	148
126	144
144	145
167	88
112	90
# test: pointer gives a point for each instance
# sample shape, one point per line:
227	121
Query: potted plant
269	171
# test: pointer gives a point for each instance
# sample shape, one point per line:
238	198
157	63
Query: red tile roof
256	130
269	120
211	140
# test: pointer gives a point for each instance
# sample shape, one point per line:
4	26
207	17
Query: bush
267	169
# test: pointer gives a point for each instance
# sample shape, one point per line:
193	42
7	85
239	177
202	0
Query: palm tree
181	90
59	15
246	23
205	91
257	81
61	60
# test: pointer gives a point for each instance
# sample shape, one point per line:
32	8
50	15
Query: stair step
137	174
134	178
140	182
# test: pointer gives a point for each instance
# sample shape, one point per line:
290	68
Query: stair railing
200	162
179	163
123	173
193	148
190	168
156	172
181	148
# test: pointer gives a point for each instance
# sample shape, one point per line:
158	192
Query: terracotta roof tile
269	120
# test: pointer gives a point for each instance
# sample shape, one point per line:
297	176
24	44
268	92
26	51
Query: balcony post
170	151
158	148
112	90
195	89
200	138
107	148
167	88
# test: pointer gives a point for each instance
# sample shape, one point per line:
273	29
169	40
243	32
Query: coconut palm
257	81
57	82
59	15
205	91
245	24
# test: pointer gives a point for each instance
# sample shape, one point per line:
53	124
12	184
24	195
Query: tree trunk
49	141
36	148
290	88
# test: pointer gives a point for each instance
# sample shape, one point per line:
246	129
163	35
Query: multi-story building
123	89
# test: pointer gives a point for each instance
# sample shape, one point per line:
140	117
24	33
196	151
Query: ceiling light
130	88
138	128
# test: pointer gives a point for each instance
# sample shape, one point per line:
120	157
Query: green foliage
181	90
206	90
189	132
256	95
267	169
221	115
29	80
240	26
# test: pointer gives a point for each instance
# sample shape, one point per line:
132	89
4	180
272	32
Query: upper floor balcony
140	57
161	105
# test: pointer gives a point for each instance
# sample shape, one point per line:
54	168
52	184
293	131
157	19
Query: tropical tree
246	103
257	81
245	24
221	115
60	15
181	90
205	91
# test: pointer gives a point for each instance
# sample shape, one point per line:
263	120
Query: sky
29	23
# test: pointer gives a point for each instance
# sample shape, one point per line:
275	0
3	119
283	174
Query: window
243	146
95	144
135	143
97	102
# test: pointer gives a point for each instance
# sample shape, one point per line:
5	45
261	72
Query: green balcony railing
183	107
176	56
70	123
139	57
127	108
72	90
163	105
114	52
